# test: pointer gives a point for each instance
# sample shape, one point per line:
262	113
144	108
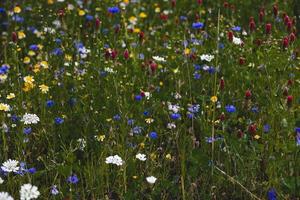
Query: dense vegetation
159	99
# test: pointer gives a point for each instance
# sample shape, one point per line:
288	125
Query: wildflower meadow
150	99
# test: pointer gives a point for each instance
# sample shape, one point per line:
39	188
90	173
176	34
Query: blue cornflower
266	128
130	122
197	76
73	179
138	97
153	135
236	28
32	170
297	129
15	118
221	45
89	17
197	67
34	47
58	120
175	116
230	108
190	115
211	70
141	56
4	69
183	18
113	10
27	130
17	18
117	117
272	194
255	109
197	25
2	10
57	52
146	113
50	103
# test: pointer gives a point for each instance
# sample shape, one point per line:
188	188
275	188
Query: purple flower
153	135
58	120
230	108
197	25
113	10
54	190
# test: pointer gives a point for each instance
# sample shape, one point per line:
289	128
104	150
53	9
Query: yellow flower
44	64
26	60
152	156
149	120
187	51
28	79
142	145
81	12
257	137
214	99
136	30
132	19
126	1
143	15
50	2
4	107
36	68
100	138
44	88
31	53
157	9
135	177
161	83
17	9
68	57
10	96
21	35
3	77
168	156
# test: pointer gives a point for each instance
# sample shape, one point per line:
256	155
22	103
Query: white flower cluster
5	196
10	166
159	59
30	118
173	108
141	157
151	179
207	57
116	160
237	41
29	192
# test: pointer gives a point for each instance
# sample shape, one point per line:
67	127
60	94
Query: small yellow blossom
136	30
17	9
149	120
31	53
152	156
134	177
257	137
26	60
28	79
187	51
44	88
44	64
168	156
214	99
132	20
21	35
36	68
50	2
81	12
4	107
10	96
142	145
143	15
100	138
157	9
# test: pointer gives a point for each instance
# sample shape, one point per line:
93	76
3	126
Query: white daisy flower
10	166
141	157
30	118
151	179
5	196
207	57
116	160
29	192
171	125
